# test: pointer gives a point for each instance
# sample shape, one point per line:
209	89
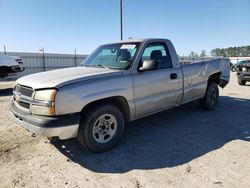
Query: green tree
242	51
193	54
203	53
214	52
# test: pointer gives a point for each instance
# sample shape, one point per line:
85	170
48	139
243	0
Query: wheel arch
5	67
215	77
118	101
7	70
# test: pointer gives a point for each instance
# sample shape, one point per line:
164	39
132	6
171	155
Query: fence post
75	58
44	66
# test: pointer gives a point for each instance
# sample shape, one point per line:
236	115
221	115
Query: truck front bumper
64	127
244	76
16	68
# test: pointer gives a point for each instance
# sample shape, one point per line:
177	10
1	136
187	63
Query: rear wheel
211	98
101	128
241	82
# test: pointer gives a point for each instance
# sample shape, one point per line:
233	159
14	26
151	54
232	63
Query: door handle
173	76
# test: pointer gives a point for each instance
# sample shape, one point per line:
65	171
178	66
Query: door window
158	52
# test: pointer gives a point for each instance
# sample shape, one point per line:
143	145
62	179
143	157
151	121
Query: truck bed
195	77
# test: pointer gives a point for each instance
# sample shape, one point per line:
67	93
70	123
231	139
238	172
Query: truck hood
62	77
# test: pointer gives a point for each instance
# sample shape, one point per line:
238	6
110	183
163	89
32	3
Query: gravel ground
182	147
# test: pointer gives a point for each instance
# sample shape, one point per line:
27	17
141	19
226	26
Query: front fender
73	98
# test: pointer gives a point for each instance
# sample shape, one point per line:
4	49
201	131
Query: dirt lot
182	147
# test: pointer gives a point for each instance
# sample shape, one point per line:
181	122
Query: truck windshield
112	56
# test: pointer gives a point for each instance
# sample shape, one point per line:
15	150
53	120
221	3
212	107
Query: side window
158	52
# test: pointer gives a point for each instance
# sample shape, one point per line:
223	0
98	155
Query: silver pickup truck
117	83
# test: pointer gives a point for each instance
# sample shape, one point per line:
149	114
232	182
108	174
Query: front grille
23	95
23	90
17	68
24	104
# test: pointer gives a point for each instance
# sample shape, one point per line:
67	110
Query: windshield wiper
101	65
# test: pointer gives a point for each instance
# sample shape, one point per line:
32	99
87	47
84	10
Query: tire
3	72
241	82
233	68
210	100
101	128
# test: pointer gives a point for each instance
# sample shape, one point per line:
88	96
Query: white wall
234	60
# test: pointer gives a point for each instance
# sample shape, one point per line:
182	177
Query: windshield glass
112	56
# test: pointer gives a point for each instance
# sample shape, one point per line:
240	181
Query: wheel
233	68
101	128
241	82
3	72
211	98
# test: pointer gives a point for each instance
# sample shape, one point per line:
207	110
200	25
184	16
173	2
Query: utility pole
42	50
121	20
4	48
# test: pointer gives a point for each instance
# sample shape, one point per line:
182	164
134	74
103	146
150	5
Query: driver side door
159	89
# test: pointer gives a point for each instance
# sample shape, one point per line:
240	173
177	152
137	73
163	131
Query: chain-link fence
38	62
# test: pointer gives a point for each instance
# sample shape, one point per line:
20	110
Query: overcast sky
60	26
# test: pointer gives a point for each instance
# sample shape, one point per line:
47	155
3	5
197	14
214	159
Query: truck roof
137	40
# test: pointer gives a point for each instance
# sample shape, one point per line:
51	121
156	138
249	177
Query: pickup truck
243	72
118	83
10	65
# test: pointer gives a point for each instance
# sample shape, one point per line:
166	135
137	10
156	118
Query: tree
203	53
230	51
193	54
242	51
214	52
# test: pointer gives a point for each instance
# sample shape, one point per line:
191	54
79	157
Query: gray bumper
64	127
244	76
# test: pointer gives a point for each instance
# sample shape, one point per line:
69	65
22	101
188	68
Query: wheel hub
104	128
212	97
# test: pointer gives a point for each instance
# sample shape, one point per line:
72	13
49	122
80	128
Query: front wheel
3	72
101	128
211	98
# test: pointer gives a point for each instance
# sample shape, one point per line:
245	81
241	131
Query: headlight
45	95
244	69
44	102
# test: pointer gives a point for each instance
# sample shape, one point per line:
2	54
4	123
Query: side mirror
149	65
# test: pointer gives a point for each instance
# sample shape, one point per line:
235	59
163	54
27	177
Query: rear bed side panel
196	77
221	66
195	81
225	71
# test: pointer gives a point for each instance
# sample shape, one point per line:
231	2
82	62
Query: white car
10	65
